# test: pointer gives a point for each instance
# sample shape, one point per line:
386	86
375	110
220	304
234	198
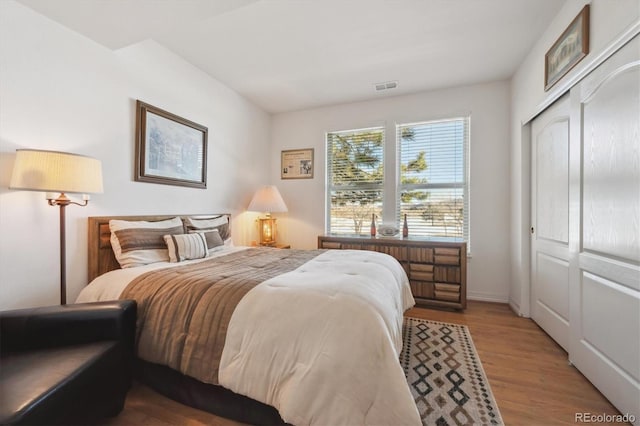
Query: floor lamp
267	199
57	173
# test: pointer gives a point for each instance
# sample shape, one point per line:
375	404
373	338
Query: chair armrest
53	326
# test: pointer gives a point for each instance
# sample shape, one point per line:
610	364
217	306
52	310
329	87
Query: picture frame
569	49
296	164
170	149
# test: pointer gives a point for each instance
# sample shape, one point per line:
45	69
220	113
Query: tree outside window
356	179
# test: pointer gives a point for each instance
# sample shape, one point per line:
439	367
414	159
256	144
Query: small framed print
570	48
296	164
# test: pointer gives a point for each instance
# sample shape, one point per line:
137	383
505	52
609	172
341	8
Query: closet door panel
554	297
550	221
611	167
552	184
609	323
605	228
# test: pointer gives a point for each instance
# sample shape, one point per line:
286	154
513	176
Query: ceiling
288	55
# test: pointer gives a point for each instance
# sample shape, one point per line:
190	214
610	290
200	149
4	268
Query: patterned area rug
445	375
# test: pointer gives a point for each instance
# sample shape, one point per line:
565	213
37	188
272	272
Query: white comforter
320	343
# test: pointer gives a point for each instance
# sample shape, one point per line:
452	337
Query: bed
260	335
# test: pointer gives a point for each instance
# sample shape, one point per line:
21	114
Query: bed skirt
203	396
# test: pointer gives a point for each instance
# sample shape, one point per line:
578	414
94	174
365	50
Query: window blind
433	166
355	179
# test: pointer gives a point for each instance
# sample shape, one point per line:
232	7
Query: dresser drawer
331	245
451	288
421	272
421	267
447	256
447	274
422	289
447	296
420	254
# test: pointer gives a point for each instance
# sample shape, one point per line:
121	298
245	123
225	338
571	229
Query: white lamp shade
53	171
267	199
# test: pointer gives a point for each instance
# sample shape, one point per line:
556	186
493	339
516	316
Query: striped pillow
212	237
186	247
221	223
137	243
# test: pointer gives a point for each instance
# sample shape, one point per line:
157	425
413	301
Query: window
355	179
433	169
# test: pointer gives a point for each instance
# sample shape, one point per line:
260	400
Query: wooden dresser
437	270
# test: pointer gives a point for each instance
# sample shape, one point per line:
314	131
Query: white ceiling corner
120	23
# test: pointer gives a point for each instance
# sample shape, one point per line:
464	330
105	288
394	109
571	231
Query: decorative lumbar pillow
137	243
221	223
186	246
212	238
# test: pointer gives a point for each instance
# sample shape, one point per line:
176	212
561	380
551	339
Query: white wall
61	91
488	105
608	20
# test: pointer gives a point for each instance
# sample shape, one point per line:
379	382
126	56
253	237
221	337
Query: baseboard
515	307
487	297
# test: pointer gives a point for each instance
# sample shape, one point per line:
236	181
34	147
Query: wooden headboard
101	258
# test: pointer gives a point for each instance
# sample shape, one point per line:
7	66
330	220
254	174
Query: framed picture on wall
568	50
296	164
170	150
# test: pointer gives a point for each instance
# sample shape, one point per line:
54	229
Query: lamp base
267	231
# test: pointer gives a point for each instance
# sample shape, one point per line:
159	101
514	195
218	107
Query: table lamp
267	200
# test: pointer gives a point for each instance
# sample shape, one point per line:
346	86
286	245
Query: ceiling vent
386	85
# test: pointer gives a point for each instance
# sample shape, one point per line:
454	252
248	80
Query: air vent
386	85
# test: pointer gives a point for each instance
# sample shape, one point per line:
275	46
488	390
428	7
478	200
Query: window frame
329	187
464	185
392	191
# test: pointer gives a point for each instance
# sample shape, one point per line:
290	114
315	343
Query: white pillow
186	246
137	243
202	223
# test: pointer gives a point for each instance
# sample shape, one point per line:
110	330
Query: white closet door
550	221
605	268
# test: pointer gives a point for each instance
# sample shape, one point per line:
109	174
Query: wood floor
528	372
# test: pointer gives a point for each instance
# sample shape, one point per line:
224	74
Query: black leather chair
68	364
